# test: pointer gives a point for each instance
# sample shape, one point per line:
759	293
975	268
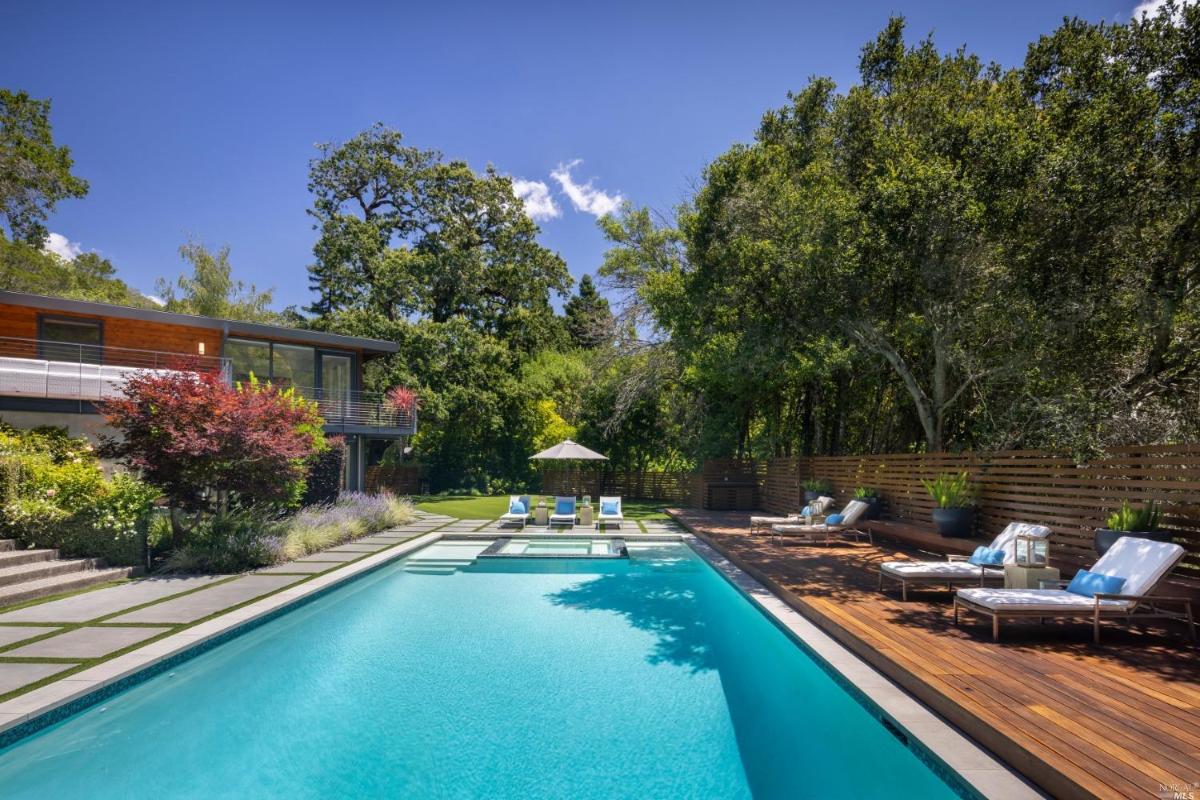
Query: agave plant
950	491
1130	519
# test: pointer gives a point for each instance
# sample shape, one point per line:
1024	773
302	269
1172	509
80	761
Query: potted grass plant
814	488
954	509
869	496
1129	521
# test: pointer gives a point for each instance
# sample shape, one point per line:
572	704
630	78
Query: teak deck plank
1118	720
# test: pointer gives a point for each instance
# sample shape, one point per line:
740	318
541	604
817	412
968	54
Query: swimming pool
442	675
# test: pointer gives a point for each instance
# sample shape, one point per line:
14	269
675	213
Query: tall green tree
589	320
442	260
212	291
35	173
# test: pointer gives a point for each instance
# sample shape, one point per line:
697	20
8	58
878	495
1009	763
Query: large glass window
249	357
335	377
77	340
294	365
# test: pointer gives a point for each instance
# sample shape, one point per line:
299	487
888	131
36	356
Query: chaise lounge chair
1130	571
564	512
961	569
518	510
834	525
816	507
610	511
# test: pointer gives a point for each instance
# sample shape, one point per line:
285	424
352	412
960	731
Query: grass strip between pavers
172	629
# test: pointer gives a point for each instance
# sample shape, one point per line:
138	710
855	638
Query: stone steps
57	584
31	574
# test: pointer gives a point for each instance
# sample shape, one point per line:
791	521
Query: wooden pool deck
1112	721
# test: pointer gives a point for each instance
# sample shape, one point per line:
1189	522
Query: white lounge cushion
934	570
1035	600
775	520
1141	562
1007	540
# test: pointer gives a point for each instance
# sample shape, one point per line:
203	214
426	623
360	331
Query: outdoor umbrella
568	451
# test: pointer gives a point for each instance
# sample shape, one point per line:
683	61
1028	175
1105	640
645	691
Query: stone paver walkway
52	640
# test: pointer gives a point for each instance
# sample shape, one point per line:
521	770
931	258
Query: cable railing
345	408
62	370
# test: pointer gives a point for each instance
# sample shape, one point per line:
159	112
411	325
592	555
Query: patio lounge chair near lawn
958	568
1118	586
610	511
518	509
564	512
817	507
834	525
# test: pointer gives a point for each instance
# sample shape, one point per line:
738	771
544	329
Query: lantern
1032	551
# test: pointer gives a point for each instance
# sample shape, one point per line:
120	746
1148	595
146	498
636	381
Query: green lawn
467	507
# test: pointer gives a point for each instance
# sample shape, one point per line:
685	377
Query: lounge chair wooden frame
1143	608
950	581
1140	604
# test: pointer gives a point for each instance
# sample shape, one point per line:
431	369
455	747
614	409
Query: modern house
57	357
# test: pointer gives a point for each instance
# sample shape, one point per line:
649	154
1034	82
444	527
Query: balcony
35	368
361	412
41	369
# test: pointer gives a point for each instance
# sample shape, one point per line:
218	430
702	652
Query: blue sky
199	119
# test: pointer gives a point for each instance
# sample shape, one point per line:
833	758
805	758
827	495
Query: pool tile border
964	766
26	714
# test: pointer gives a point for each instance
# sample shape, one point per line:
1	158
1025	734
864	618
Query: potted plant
954	511
869	496
814	488
1129	521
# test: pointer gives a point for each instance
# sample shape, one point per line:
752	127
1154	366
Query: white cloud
584	196
1151	7
62	247
539	205
158	301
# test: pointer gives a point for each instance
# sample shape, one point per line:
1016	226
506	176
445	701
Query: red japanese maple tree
203	442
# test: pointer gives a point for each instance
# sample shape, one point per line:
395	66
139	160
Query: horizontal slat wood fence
671	487
1071	499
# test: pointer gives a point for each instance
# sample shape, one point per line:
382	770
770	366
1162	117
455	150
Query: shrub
54	494
246	538
865	493
816	485
353	515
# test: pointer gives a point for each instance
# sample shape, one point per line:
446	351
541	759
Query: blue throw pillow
610	508
987	557
834	519
564	507
1090	584
517	507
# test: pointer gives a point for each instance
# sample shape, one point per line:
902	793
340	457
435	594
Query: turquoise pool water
646	678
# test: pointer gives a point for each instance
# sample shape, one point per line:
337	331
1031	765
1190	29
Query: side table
1019	577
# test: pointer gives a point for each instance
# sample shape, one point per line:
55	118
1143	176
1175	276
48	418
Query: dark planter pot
810	495
1106	538
954	523
874	507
